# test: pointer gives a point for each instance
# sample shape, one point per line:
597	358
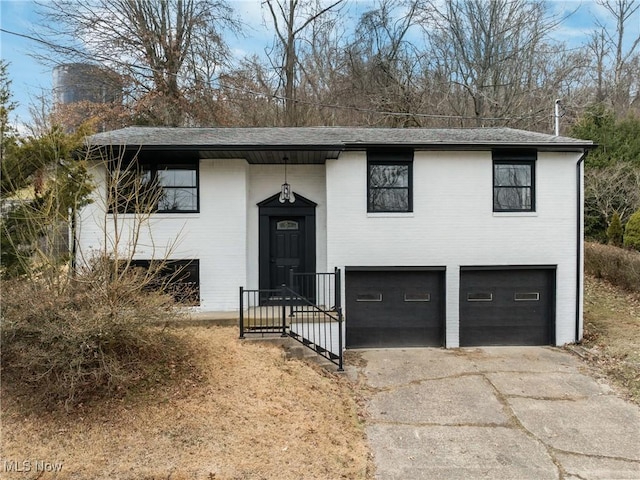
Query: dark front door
287	239
286	249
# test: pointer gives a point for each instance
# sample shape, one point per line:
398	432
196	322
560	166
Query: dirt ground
612	334
249	414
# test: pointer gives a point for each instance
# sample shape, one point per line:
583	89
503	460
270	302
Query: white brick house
451	237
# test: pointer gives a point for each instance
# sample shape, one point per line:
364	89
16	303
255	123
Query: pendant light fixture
286	194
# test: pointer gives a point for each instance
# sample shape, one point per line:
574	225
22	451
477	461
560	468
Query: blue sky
32	79
28	77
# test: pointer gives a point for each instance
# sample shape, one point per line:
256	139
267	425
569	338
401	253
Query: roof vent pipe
556	116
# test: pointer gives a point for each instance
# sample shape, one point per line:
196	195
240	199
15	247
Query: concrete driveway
513	413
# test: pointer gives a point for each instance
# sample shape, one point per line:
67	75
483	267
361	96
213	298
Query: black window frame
180	272
390	158
519	158
164	166
143	167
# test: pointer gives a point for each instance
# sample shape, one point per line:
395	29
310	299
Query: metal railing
309	311
263	311
321	330
321	289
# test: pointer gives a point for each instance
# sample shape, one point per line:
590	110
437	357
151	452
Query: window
287	225
514	181
159	187
390	178
179	185
180	278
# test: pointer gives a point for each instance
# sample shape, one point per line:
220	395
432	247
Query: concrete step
293	349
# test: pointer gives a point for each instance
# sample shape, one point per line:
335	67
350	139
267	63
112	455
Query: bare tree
251	94
612	189
321	67
492	52
290	19
384	64
597	48
164	47
623	53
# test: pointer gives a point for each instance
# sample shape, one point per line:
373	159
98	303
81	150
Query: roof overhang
316	145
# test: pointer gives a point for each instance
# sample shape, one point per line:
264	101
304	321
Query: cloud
249	11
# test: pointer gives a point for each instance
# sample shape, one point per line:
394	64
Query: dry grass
248	414
612	333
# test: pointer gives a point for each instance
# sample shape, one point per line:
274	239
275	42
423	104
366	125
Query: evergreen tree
8	134
617	140
612	169
614	231
43	182
632	232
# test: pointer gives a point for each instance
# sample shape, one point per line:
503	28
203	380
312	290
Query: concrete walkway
513	413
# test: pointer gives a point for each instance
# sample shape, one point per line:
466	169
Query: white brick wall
224	235
453	224
217	235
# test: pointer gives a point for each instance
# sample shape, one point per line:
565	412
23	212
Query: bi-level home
442	237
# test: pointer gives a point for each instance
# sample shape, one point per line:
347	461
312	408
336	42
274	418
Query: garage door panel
385	337
506	307
394	308
499	336
505	319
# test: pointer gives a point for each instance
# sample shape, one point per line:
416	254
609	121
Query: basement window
179	278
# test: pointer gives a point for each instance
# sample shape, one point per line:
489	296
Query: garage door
394	308
507	306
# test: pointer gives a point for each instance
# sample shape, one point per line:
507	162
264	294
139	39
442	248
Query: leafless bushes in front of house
96	329
97	337
618	266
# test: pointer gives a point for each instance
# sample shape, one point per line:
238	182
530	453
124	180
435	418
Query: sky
31	79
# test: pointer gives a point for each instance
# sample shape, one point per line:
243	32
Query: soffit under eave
315	155
266	157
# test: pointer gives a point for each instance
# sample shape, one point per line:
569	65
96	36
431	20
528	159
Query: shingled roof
316	144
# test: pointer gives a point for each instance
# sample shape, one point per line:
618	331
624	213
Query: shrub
614	230
632	232
92	338
616	265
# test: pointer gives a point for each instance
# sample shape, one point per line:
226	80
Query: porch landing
223	319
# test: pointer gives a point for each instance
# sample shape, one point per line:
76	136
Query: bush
614	230
91	338
616	265
632	232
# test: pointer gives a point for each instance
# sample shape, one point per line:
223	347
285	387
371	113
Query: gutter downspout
579	244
